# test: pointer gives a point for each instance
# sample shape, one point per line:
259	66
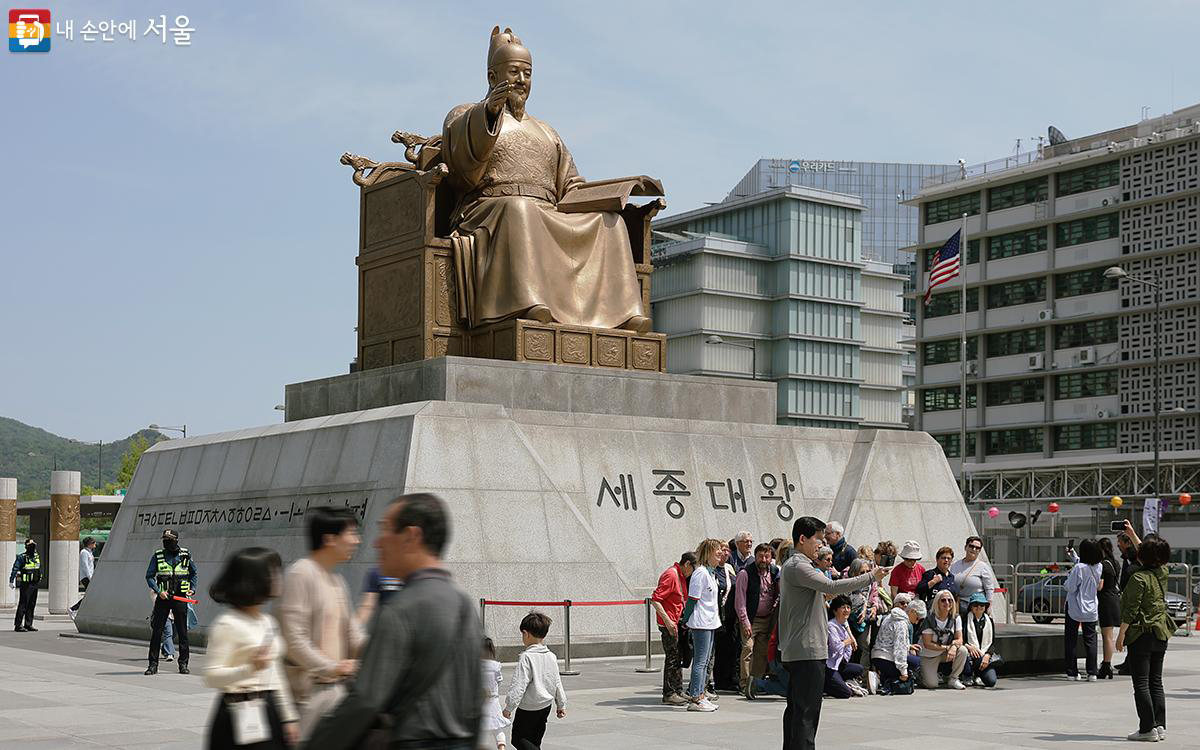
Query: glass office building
778	279
887	225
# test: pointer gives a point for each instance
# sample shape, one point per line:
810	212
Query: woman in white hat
907	574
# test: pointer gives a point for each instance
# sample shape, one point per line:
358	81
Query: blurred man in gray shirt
420	675
803	633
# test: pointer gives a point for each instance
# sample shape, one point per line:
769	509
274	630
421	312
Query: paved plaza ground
58	692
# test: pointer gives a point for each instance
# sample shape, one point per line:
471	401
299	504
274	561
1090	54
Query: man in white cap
907	574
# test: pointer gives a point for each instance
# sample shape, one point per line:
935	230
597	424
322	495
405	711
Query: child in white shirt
536	685
491	736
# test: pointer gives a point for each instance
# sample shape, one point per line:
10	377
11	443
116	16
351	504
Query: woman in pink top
907	574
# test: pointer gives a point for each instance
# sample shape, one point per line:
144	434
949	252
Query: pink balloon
993	512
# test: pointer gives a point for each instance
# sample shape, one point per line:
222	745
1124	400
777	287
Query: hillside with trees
30	454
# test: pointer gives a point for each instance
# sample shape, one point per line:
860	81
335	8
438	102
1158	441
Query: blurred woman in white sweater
245	652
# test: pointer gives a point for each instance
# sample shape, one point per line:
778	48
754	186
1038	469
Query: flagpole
962	430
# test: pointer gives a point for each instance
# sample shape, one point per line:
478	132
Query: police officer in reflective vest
172	578
26	572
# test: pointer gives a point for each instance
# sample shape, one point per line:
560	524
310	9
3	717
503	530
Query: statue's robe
513	248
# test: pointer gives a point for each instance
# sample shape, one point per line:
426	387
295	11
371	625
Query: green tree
129	462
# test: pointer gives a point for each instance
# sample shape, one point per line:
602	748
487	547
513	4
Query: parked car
1046	600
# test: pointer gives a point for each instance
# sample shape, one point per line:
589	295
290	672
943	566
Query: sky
179	238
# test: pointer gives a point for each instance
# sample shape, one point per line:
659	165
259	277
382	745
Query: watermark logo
29	30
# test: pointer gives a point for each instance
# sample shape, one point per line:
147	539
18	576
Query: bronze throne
407	291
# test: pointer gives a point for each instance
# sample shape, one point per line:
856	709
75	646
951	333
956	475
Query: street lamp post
1118	273
717	340
180	428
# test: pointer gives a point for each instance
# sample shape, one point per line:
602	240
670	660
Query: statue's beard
516	102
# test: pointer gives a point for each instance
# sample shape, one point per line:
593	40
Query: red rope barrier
561	603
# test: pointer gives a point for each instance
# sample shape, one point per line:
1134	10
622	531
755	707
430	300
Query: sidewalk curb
121	641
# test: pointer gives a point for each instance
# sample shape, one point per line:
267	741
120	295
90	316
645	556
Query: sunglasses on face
974	546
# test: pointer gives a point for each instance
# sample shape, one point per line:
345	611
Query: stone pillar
8	539
64	540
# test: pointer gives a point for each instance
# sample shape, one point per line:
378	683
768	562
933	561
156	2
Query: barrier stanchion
567	643
483	615
648	667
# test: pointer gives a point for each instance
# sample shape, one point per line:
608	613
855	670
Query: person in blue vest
25	575
171	575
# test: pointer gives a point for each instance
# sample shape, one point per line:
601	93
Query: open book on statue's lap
608	195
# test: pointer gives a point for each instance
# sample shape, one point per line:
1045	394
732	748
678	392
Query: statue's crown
505	46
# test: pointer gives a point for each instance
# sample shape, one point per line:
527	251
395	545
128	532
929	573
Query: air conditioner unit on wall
1087	355
1047	314
1037	361
1102	414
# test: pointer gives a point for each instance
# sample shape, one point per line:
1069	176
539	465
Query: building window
1087	333
944	399
1016	392
1077	437
950	441
951	303
1018	193
1086	230
1017	243
1075	283
1088	178
951	208
1004	442
1016	342
1086	384
972	254
941	352
1016	293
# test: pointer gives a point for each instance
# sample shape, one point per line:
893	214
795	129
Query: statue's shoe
638	323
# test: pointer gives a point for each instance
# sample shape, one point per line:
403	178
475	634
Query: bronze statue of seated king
529	238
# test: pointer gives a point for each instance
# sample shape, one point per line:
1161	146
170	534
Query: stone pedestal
64	540
547	503
544	387
8	538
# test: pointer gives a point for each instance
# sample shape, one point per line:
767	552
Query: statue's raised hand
496	99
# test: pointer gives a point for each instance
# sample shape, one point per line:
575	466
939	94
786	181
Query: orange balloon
1116	502
1184	498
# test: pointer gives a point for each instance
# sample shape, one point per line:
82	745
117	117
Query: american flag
945	264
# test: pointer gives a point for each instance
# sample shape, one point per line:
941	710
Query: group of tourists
930	626
814	617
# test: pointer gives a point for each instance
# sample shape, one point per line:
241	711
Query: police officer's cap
169	534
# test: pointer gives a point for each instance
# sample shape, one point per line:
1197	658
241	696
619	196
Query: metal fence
1039	591
567	605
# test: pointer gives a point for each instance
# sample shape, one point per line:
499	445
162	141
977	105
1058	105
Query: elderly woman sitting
892	657
979	634
841	674
942	642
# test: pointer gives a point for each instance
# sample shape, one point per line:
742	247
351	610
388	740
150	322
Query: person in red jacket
668	600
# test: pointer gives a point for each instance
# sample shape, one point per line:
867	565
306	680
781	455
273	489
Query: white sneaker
706	705
859	691
1162	733
872	682
711	697
1091	678
956	684
168	657
1151	736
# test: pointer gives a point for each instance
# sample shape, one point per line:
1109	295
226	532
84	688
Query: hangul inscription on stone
671	486
769	483
731	495
623	495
